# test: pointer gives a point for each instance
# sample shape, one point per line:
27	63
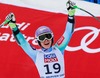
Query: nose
46	39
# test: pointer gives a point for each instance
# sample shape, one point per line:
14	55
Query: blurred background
94	1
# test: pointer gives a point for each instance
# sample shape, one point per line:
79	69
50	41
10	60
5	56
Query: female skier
50	59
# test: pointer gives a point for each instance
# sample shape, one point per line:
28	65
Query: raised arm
65	38
20	38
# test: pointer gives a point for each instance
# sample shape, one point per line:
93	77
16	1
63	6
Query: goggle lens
42	37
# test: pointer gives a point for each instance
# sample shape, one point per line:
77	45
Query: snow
56	6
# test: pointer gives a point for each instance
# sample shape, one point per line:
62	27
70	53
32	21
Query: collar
47	50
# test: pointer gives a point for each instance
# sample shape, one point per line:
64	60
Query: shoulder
55	48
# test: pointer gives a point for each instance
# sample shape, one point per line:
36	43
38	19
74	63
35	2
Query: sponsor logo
50	58
60	40
9	37
84	44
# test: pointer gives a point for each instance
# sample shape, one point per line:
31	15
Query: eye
48	36
42	37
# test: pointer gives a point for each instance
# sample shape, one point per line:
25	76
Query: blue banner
94	1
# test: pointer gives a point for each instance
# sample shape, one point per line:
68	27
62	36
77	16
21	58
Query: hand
71	8
11	18
70	5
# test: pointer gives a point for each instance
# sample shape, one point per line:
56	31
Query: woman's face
46	43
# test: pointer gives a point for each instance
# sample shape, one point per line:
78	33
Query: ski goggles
45	36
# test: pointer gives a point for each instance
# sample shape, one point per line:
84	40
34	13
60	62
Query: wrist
71	19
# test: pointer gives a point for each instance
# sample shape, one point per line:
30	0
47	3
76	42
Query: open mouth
46	44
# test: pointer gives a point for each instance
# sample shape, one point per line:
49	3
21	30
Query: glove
10	18
71	8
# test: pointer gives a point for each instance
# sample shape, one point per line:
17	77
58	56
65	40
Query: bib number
55	66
